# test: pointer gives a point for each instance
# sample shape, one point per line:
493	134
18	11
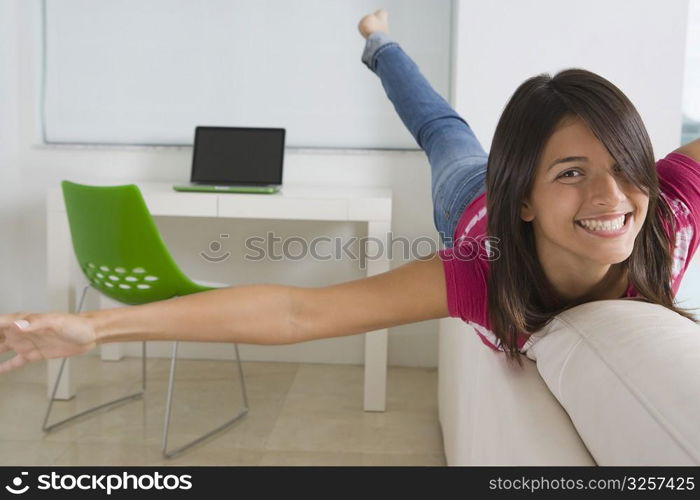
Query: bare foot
371	23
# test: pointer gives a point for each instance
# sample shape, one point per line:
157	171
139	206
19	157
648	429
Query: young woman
577	211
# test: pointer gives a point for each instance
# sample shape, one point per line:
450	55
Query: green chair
122	255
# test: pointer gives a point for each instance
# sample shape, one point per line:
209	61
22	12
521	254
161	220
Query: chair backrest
118	246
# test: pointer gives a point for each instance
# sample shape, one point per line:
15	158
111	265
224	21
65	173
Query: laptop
236	160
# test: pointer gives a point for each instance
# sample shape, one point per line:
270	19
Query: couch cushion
628	374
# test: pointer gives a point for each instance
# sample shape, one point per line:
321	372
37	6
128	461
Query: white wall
639	46
10	204
499	45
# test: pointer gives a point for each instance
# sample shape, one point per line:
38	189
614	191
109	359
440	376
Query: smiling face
587	185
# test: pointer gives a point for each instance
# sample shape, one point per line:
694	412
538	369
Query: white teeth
610	225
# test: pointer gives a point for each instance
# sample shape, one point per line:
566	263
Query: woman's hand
35	337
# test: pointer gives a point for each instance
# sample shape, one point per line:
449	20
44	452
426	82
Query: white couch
613	382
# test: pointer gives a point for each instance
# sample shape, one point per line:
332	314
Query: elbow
297	322
308	318
294	330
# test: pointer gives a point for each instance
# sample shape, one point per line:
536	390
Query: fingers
22	324
12	364
19	326
7	319
31	323
6	324
15	324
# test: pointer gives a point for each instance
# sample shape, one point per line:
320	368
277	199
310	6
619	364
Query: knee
439	127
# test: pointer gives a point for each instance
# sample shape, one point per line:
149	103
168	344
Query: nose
605	191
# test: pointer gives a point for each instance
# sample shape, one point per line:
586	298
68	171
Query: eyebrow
567	159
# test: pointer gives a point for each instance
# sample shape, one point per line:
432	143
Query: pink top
679	182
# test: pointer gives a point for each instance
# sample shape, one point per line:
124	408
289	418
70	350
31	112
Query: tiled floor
300	414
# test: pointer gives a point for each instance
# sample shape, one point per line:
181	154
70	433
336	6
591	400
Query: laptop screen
232	155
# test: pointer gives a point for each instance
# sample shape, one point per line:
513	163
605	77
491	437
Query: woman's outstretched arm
251	314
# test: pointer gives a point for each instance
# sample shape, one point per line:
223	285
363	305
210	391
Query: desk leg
59	265
376	341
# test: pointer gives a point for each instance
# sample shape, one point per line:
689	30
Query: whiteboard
148	72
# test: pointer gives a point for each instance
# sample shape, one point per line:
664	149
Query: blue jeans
457	160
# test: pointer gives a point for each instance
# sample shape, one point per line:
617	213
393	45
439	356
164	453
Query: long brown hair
520	297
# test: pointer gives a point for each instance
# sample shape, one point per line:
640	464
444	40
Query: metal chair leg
137	395
168	409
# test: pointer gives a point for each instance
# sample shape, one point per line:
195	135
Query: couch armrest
628	374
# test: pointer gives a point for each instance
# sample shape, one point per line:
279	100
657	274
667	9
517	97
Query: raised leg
457	159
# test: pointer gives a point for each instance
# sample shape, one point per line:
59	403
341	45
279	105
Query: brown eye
566	176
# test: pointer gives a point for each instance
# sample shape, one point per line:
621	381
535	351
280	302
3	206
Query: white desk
293	203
